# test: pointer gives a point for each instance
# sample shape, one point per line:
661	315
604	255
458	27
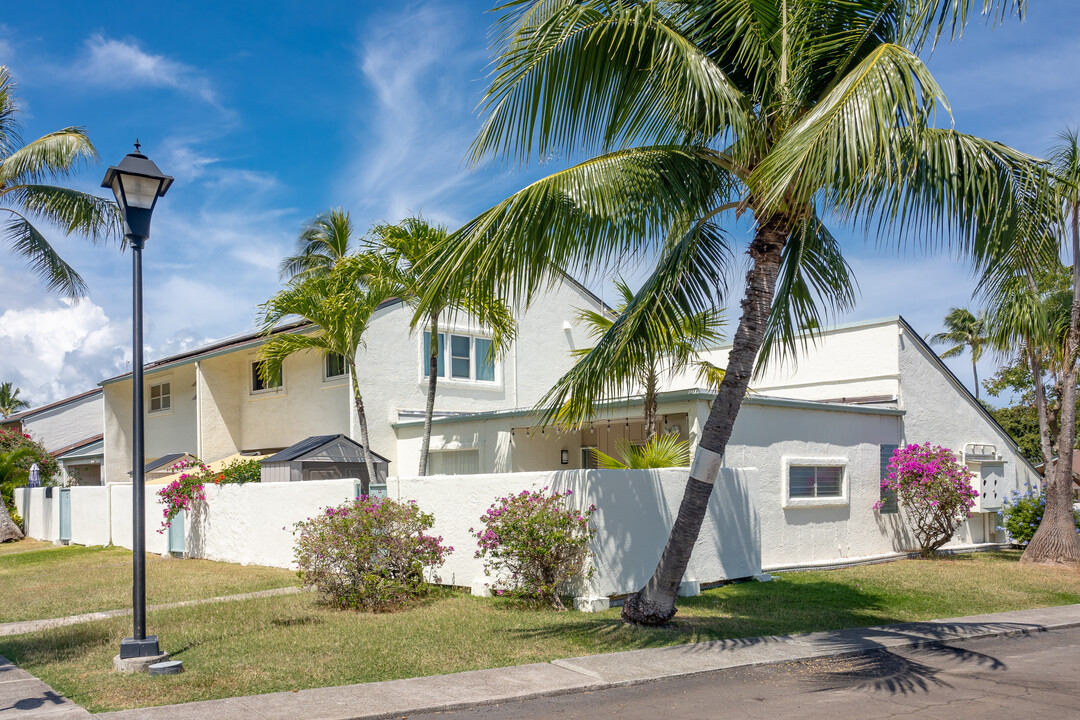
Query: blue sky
268	113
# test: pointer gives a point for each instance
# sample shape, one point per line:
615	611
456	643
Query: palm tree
1056	540
10	403
11	474
785	111
25	196
665	345
964	331
324	240
340	305
661	451
403	250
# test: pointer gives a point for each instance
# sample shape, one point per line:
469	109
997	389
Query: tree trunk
650	407
975	372
1056	541
8	529
433	378
655	603
1041	409
365	485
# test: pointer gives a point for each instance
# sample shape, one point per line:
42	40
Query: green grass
49	582
291	642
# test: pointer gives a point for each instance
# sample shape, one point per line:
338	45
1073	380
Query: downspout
198	409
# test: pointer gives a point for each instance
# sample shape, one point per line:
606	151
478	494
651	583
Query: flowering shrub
934	489
240	471
533	545
1022	513
185	490
48	468
370	554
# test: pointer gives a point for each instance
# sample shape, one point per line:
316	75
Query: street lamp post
137	183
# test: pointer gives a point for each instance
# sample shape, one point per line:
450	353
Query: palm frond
57	154
72	210
27	242
662	451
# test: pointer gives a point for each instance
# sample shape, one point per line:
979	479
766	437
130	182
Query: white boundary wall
252	524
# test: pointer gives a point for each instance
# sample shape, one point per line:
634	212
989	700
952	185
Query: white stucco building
71	430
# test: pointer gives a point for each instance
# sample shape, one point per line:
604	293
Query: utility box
991	479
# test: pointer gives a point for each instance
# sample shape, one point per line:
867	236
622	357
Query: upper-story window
258	384
161	397
334	366
470	358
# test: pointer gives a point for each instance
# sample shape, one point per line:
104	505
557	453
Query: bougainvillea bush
934	490
183	492
371	554
533	545
1022	513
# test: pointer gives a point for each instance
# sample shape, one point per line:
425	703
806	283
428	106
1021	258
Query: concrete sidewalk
593	672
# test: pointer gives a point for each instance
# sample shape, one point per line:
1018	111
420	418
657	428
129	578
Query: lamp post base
132	648
133	665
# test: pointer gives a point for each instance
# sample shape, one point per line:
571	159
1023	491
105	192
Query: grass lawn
291	642
44	581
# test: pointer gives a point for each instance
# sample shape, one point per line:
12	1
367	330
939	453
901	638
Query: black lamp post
137	183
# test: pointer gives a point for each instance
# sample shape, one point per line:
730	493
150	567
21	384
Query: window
814	481
161	397
335	366
888	497
257	382
471	358
588	458
454	462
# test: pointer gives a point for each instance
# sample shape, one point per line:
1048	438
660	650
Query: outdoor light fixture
565	457
137	183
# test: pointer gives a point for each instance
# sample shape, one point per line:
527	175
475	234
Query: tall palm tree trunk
1056	540
433	379
650	407
975	372
8	529
655	603
365	485
1041	409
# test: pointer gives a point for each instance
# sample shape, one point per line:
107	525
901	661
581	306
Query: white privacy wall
635	511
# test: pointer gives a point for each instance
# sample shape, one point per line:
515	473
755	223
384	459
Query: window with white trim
471	358
258	383
334	366
161	397
815	481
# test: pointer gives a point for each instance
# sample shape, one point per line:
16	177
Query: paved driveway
1027	677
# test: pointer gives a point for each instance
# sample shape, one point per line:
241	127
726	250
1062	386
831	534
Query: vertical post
139	645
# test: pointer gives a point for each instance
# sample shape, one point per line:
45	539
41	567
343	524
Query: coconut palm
779	111
665	345
324	240
340	305
964	331
661	451
27	198
10	402
402	250
1056	540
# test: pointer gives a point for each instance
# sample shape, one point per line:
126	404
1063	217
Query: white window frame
841	500
150	400
448	364
327	377
277	389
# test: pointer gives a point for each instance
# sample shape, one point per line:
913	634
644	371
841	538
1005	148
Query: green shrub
240	471
534	546
1022	512
30	452
370	554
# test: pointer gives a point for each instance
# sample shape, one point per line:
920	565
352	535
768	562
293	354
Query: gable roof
11	419
313	443
83	445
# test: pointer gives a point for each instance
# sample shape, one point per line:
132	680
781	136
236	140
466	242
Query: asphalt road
1027	677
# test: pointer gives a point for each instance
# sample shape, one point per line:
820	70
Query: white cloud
123	64
60	350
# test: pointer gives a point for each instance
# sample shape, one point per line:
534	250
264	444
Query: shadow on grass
61	644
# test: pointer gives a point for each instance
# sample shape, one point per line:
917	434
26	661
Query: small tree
10	402
534	546
935	491
370	554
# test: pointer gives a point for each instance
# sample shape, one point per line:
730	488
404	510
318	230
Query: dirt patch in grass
292	643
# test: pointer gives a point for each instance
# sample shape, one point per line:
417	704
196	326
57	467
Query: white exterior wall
392	364
41	515
253	523
635	511
67	424
90	515
121	520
